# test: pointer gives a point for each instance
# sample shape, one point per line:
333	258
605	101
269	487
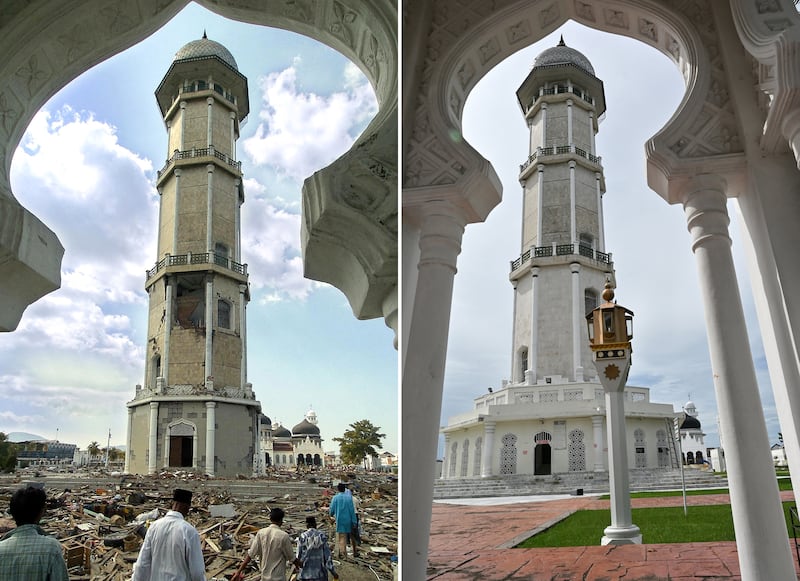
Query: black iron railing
197	258
559	150
199	152
561	250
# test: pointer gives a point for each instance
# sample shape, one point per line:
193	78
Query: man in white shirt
171	549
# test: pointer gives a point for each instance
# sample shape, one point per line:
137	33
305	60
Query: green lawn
658	525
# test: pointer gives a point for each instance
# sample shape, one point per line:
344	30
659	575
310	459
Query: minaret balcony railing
199	258
559	150
199	152
561	250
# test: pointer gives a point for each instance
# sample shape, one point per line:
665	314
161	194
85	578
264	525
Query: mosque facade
281	448
549	417
195	409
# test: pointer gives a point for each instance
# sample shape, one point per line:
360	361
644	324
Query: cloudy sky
87	168
655	268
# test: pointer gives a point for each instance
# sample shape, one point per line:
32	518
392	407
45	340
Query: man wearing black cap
171	548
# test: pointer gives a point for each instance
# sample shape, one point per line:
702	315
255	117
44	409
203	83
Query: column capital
183	105
177	173
153	405
211	404
210	100
534	271
575	268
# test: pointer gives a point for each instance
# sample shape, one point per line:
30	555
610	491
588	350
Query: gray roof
204	47
561	54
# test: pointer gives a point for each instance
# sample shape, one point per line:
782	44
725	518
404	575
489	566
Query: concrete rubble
100	519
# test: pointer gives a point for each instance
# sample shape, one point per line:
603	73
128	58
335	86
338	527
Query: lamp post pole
610	333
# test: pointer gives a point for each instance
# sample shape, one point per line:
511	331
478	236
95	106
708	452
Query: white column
540	207
622	530
569	121
601	243
488	448
592	133
233	134
181	145
533	351
572	224
210	209
578	322
128	442
211	429
176	217
167	439
168	317
237	225
243	331
441	231
152	453
544	126
210	101
597	436
446	459
209	328
168	123
761	538
194	448
515	299
160	223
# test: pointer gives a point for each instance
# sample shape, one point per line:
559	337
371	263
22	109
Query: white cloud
302	132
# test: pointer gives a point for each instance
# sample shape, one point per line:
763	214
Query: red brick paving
470	543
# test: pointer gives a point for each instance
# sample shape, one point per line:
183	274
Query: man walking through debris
314	554
272	548
171	548
344	512
27	552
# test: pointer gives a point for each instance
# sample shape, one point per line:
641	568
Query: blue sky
655	268
87	167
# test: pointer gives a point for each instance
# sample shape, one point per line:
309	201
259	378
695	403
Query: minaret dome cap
561	54
204	47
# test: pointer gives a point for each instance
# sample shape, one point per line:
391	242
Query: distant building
281	448
45	453
692	436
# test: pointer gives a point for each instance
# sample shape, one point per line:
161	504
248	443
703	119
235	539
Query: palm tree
93	449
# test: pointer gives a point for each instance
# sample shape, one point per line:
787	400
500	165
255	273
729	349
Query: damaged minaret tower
195	410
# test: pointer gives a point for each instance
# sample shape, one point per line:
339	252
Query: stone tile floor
473	541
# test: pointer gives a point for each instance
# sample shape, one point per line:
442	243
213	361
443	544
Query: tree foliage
359	442
93	449
8	454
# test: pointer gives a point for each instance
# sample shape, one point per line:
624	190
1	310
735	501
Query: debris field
101	519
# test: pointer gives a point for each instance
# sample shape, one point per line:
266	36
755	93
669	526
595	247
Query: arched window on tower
223	314
586	245
523	362
221	254
589	300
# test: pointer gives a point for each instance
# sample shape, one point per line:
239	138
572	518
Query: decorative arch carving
349	208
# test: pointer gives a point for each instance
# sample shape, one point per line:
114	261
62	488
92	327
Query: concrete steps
569	483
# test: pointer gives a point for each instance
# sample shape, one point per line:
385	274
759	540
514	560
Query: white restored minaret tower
196	409
563	266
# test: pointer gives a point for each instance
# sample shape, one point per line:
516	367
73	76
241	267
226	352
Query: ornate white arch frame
349	225
727	139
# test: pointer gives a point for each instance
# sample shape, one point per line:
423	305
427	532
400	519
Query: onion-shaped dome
265	420
281	432
690	423
305	428
204	48
561	54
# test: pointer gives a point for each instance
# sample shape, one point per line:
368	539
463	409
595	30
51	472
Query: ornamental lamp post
610	332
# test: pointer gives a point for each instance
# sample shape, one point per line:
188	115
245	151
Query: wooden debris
101	519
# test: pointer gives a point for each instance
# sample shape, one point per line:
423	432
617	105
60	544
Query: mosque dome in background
305	428
561	54
281	432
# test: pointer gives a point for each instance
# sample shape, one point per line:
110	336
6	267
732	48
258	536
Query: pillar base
622	536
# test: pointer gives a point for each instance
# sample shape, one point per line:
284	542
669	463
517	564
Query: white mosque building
550	416
282	448
692	436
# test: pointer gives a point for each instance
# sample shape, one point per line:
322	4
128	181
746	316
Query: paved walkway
472	541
